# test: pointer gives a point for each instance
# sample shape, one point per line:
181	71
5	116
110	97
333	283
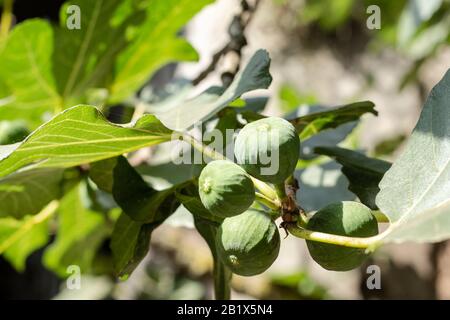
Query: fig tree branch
269	193
231	52
369	243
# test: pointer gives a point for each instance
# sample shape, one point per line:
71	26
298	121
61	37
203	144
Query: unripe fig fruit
347	218
12	132
248	243
268	149
225	188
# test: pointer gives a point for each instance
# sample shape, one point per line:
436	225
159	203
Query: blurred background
323	55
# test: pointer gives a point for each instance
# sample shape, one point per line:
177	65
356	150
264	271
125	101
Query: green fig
268	149
248	243
225	188
347	218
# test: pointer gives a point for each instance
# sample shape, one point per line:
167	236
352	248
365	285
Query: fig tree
225	188
347	218
248	243
268	149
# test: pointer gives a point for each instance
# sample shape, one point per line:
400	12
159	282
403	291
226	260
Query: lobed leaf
19	238
190	199
155	44
29	88
144	209
417	187
81	135
201	108
130	240
26	193
311	124
84	57
80	233
137	199
116	49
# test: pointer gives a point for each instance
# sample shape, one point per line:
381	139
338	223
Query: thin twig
211	67
369	243
231	52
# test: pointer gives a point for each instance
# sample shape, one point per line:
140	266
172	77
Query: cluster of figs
248	240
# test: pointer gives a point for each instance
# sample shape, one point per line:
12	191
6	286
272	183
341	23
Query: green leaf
82	135
102	173
311	124
19	238
431	225
144	209
84	58
130	240
255	76
136	198
251	116
363	173
80	233
190	199
26	193
417	187
119	45
255	104
166	174
155	45
26	71
322	184
228	120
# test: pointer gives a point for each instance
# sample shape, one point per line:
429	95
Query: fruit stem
7	17
263	187
272	204
281	191
222	280
380	216
369	243
206	150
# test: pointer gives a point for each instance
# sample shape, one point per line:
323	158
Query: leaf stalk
369	243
